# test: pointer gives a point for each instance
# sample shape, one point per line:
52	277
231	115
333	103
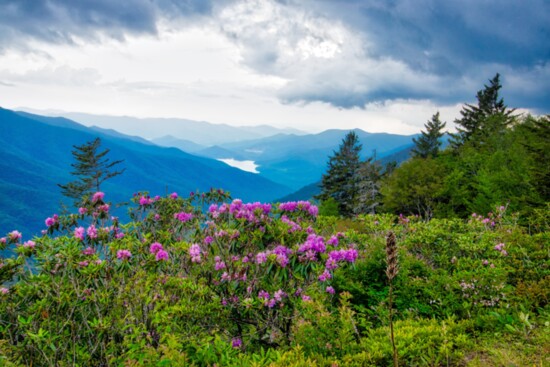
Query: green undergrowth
272	285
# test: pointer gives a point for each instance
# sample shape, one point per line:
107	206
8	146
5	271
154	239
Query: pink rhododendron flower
79	233
98	196
330	290
261	258
123	254
161	255
52	221
155	247
88	251
82	211
174	195
236	343
145	200
15	235
183	216
92	232
29	244
4	290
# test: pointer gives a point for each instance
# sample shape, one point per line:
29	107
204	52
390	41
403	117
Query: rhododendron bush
240	270
205	280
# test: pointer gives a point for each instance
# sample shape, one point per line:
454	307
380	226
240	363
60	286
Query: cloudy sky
380	65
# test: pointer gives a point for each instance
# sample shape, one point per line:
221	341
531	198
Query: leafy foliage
253	284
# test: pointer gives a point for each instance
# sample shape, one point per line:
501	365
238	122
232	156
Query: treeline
497	157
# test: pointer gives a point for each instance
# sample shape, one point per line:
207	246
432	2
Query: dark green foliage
536	135
429	143
340	181
414	188
91	168
476	119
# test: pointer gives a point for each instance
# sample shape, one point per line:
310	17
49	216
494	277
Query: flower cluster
183	216
123	254
159	252
304	206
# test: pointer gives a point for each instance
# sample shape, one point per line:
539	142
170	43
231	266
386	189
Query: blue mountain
35	155
299	160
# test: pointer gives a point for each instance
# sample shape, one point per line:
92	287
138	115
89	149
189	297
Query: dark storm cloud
459	42
63	21
441	50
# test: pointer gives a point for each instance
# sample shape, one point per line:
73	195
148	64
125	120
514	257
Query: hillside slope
35	155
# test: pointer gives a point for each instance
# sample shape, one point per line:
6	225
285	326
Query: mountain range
199	132
35	156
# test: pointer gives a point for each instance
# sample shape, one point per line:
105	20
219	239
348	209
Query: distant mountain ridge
199	132
299	160
35	155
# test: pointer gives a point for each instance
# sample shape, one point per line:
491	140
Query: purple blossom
325	276
174	195
313	243
271	303
208	240
145	200
236	343
161	255
330	290
333	241
83	263
306	298
82	211
183	216
261	258
51	221
219	265
195	253
195	250
88	251
79	233
123	254
98	196
15	235
4	290
279	295
263	295
155	247
282	260
92	232
29	244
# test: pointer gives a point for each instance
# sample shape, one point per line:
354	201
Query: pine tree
91	168
428	144
340	181
476	119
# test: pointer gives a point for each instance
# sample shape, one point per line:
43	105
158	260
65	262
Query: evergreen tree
91	168
428	144
340	181
476	119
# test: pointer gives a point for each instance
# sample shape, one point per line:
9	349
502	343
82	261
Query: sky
378	65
